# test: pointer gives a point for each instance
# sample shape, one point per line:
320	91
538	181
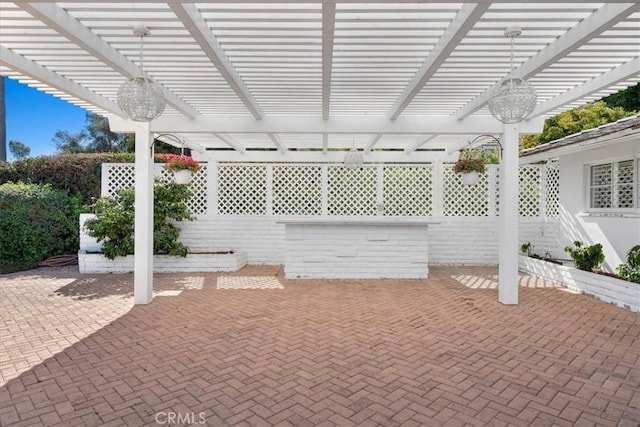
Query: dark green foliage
36	222
629	99
114	222
73	173
586	257
631	269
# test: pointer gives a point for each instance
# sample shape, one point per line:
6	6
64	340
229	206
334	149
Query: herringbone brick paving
74	351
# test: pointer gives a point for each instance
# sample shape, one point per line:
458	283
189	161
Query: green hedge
72	173
36	222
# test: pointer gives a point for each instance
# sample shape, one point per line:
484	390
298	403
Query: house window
614	185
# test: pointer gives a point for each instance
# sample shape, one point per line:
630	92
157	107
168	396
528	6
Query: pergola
298	80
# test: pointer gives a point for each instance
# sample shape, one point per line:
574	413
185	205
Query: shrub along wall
72	173
36	222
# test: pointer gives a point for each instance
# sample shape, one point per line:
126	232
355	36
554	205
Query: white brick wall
353	251
456	240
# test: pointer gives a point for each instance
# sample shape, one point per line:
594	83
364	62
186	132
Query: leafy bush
36	222
586	257
114	222
631	269
73	173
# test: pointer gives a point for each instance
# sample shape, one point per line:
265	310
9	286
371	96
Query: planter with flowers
183	167
469	169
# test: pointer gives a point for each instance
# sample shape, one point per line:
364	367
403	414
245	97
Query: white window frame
614	172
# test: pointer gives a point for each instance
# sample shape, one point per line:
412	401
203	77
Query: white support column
437	192
143	234
508	258
269	185
324	178
212	187
380	190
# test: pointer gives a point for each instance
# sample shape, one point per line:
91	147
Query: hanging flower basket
182	167
469	170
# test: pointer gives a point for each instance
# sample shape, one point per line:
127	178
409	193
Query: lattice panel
297	190
119	177
407	190
552	190
529	193
352	191
242	190
465	200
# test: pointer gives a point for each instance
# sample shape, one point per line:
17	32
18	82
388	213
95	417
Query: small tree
69	143
19	150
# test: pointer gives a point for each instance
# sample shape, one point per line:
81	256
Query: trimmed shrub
73	173
586	258
631	269
114	222
36	222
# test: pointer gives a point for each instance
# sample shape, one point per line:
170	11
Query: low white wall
455	240
97	263
356	250
609	289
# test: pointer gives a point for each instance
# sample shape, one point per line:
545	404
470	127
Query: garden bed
193	263
609	289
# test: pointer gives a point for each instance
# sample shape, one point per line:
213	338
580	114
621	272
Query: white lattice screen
464	200
312	189
352	191
242	190
118	176
408	191
297	190
529	191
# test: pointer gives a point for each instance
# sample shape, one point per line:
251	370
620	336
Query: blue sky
33	117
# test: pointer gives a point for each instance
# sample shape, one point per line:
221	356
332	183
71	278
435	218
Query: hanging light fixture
140	98
515	99
354	158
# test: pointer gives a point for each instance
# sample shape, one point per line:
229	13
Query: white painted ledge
193	263
382	220
609	289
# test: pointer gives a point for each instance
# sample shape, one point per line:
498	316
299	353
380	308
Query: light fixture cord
512	45
141	59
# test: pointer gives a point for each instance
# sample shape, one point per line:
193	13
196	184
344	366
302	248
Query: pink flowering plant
470	161
469	165
176	162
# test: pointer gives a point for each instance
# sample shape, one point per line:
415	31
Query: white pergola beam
319	1
610	78
372	143
419	142
465	19
277	142
600	20
330	156
36	71
328	27
230	141
66	25
199	30
366	124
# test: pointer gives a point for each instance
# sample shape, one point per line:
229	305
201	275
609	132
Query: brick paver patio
435	352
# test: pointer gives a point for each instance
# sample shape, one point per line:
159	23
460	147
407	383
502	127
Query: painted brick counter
356	248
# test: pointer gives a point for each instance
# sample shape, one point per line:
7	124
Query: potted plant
183	167
469	169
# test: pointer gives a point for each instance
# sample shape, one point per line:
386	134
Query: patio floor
75	351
